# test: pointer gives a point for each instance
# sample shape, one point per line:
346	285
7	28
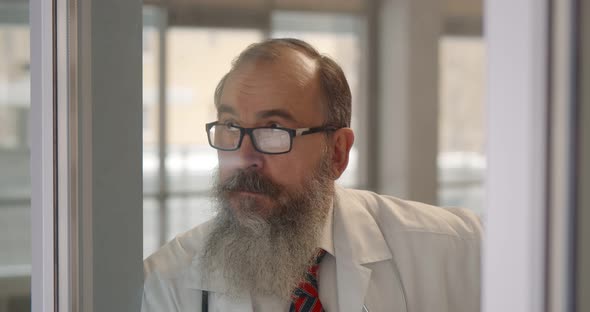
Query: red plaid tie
306	297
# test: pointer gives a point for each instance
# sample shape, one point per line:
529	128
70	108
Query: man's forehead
282	113
289	64
283	89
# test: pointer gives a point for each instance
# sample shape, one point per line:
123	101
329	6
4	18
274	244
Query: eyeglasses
267	140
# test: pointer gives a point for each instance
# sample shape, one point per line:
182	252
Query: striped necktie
306	297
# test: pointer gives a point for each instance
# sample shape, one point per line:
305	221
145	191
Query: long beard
267	255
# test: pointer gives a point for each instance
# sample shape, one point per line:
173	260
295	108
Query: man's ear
342	140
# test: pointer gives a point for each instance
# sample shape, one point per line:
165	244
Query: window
461	158
336	35
15	184
177	198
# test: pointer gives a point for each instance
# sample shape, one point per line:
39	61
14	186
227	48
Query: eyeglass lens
267	140
272	140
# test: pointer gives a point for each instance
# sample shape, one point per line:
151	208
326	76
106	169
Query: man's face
285	93
271	208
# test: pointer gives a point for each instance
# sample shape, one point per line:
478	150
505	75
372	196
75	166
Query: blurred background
189	45
15	181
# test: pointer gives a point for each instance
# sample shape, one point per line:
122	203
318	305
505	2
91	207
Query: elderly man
285	237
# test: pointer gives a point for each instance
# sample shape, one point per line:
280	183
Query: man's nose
247	156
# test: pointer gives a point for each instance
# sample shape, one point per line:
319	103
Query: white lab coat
391	255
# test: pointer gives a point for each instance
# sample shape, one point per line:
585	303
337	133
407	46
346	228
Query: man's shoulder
177	255
403	217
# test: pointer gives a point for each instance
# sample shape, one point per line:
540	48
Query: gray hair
335	89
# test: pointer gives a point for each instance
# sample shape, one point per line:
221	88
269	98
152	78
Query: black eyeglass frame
243	131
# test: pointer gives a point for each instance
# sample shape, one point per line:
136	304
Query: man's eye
275	125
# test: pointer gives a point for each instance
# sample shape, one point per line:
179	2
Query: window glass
461	158
151	51
15	184
151	228
336	35
186	212
195	60
153	21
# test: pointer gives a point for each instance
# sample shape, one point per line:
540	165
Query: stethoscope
204	301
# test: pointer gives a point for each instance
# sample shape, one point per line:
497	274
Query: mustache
252	181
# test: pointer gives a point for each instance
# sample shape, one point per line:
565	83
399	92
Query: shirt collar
326	241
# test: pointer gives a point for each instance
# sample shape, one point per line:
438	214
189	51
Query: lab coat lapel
357	241
353	281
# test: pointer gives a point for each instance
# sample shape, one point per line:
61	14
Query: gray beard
270	255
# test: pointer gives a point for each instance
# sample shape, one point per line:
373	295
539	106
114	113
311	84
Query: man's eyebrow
276	113
223	108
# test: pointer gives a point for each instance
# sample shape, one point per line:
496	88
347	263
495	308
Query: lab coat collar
357	242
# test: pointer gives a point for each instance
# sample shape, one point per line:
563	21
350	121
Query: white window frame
514	260
43	161
78	219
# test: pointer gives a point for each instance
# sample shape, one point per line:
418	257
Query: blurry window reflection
336	35
196	59
15	184
461	158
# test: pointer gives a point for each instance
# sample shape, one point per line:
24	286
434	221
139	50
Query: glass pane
184	213
197	59
336	35
151	229
151	52
15	184
461	158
